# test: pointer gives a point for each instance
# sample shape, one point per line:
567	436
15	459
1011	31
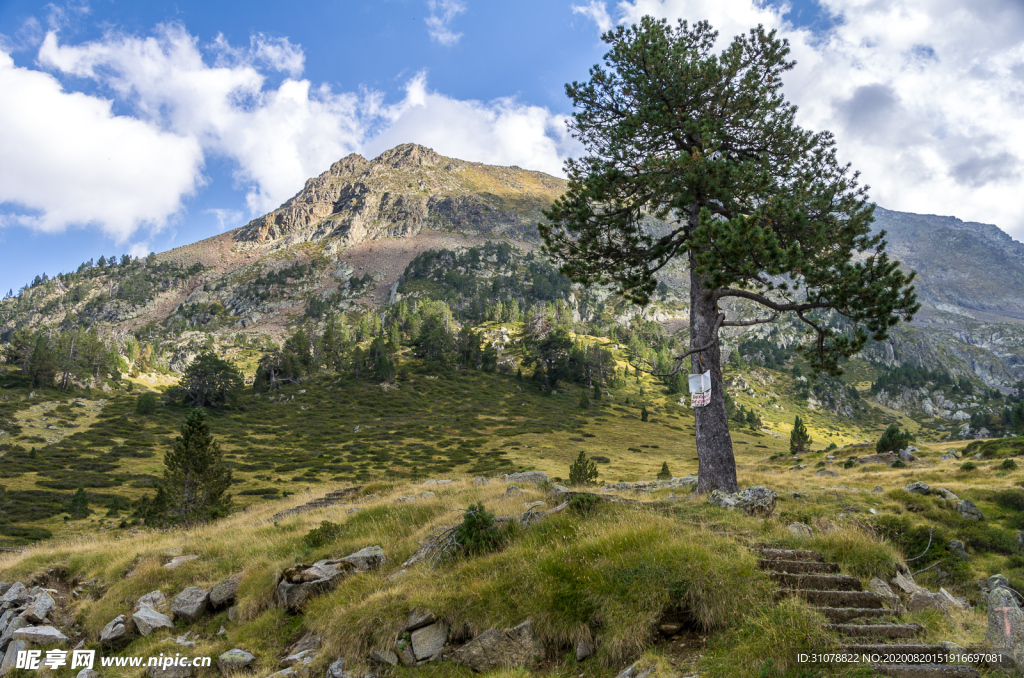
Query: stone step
860	599
877	630
910	653
926	670
817	582
839	615
786	554
798	566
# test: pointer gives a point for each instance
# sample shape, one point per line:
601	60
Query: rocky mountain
347	239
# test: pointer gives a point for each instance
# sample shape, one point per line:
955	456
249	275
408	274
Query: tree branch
765	301
748	323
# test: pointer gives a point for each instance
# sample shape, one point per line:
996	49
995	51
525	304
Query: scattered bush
478	533
146	404
323	535
1008	465
969	466
893	439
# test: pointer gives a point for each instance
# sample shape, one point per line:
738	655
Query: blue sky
138	126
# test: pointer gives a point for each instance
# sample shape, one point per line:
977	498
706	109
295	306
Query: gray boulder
535	477
756	501
41	606
147	620
40	635
418	618
155	600
968	510
997	581
495	649
87	673
906	455
235	660
8	634
115	631
337	669
827	472
177	561
369	558
301	658
801	530
190	604
948	496
301	582
880	588
925	600
428	641
584	649
11	656
170	671
16	595
1005	632
917	488
223	594
721	499
480	480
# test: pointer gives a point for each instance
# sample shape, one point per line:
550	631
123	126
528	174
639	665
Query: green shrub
969	466
893	439
478	532
898	464
146	404
583	504
850	463
323	535
1008	465
664	473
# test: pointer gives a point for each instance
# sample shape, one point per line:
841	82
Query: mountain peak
405	156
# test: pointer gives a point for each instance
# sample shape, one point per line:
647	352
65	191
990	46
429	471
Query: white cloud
442	13
596	11
227	218
924	96
502	132
67	159
73	162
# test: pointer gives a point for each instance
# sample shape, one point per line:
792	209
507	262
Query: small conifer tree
643	413
893	439
583	471
79	507
799	439
664	473
193	489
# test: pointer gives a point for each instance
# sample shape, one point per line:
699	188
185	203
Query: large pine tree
759	209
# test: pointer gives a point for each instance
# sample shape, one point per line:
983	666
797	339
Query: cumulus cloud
502	132
924	96
442	13
68	159
72	161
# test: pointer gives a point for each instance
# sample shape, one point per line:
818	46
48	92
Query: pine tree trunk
716	463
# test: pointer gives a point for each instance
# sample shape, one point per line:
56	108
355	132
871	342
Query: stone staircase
842	600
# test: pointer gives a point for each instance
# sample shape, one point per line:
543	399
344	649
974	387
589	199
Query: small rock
40	635
957	547
968	510
1005	631
386	657
801	530
513	490
179	560
947	457
233	613
906	455
366	559
15	624
584	649
310	641
827	472
947	495
87	673
337	669
427	495
757	501
925	600
480	480
670	629
638	670
494	649
148	620
906	583
114	631
190	604
877	488
184	641
235	660
300	658
535	477
917	488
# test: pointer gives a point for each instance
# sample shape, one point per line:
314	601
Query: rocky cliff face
402	192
